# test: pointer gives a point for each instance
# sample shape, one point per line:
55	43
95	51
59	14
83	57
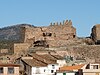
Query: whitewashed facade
61	63
50	69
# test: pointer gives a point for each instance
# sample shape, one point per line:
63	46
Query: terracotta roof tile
9	65
71	68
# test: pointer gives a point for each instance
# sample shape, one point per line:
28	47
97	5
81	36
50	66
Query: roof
48	57
58	57
34	62
9	65
45	58
71	68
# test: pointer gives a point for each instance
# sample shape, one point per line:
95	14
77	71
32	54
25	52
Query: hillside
10	35
12	32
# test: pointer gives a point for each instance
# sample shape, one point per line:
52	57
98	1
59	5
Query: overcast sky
83	13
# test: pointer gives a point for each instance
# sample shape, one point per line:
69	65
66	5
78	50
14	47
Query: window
37	70
44	70
1	69
53	66
52	71
95	66
10	70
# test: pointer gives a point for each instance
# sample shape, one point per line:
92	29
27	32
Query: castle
53	35
60	38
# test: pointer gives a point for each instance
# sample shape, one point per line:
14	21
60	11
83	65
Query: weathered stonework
96	33
4	51
90	52
53	35
18	47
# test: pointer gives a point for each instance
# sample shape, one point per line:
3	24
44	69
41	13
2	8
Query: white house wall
61	62
56	67
45	70
39	71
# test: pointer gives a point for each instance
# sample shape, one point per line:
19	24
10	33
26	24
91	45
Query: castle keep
56	34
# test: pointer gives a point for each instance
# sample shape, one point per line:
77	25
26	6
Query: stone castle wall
96	33
55	35
87	51
52	33
18	47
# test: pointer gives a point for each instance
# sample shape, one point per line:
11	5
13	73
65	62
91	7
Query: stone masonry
96	34
53	35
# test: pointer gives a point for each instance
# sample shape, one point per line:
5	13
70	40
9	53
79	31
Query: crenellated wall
53	33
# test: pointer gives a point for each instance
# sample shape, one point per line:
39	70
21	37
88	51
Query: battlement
64	23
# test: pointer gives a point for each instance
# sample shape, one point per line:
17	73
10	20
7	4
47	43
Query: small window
1	70
95	67
52	71
10	70
53	66
44	70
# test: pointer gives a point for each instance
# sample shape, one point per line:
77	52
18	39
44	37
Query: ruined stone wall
32	33
53	33
96	33
18	47
4	51
63	31
91	52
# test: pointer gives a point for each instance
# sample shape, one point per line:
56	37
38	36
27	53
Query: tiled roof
34	62
57	57
45	58
48	57
9	65
71	68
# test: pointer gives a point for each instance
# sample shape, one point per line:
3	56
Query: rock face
53	35
96	34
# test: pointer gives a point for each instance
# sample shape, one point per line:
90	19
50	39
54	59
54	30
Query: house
9	69
34	67
40	65
35	64
70	70
91	69
60	60
51	57
88	69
